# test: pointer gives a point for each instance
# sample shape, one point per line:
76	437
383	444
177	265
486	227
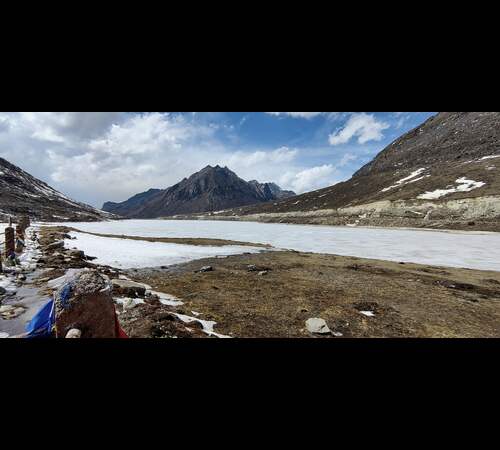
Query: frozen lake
476	250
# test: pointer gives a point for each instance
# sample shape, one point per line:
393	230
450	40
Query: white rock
317	326
74	334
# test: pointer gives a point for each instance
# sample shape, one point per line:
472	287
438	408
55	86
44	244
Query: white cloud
309	179
363	126
113	156
346	159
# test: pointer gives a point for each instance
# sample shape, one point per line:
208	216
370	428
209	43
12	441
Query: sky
95	157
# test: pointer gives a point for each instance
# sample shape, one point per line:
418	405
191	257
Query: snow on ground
489	157
129	254
464	185
475	250
208	325
408	179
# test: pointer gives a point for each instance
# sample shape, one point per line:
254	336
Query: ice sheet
474	250
130	254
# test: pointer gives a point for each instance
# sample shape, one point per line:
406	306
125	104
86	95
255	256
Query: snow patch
208	325
407	179
464	185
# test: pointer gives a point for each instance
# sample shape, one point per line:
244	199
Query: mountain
444	173
22	193
128	207
210	190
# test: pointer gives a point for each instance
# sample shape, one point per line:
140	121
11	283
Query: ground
273	293
408	300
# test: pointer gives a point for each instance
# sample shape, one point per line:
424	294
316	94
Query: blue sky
100	156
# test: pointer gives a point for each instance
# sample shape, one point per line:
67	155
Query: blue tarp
41	324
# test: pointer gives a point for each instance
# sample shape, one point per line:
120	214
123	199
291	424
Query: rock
206	269
6	309
74	334
85	302
76	253
252	268
21	277
317	326
2	291
128	288
263	273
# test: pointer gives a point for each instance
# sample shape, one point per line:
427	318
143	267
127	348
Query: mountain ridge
209	190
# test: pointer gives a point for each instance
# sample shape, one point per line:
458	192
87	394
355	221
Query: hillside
21	193
444	173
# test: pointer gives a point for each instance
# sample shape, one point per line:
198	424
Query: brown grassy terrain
408	300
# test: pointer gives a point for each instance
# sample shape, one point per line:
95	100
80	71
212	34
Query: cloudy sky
99	156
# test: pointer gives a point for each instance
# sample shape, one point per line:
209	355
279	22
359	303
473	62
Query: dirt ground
407	300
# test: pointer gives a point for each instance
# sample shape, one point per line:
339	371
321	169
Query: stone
206	269
74	334
85	302
21	277
76	253
317	326
128	288
263	273
2	291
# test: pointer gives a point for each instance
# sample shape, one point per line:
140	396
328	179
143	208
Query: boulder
128	288
317	326
84	302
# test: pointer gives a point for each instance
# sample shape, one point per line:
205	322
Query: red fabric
120	334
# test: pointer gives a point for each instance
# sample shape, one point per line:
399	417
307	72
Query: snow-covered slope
21	193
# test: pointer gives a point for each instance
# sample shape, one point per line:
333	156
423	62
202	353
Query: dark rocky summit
21	193
210	190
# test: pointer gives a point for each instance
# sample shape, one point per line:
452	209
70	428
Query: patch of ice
367	313
129	254
464	185
167	299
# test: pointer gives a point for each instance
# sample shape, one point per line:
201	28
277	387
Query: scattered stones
11	312
317	326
